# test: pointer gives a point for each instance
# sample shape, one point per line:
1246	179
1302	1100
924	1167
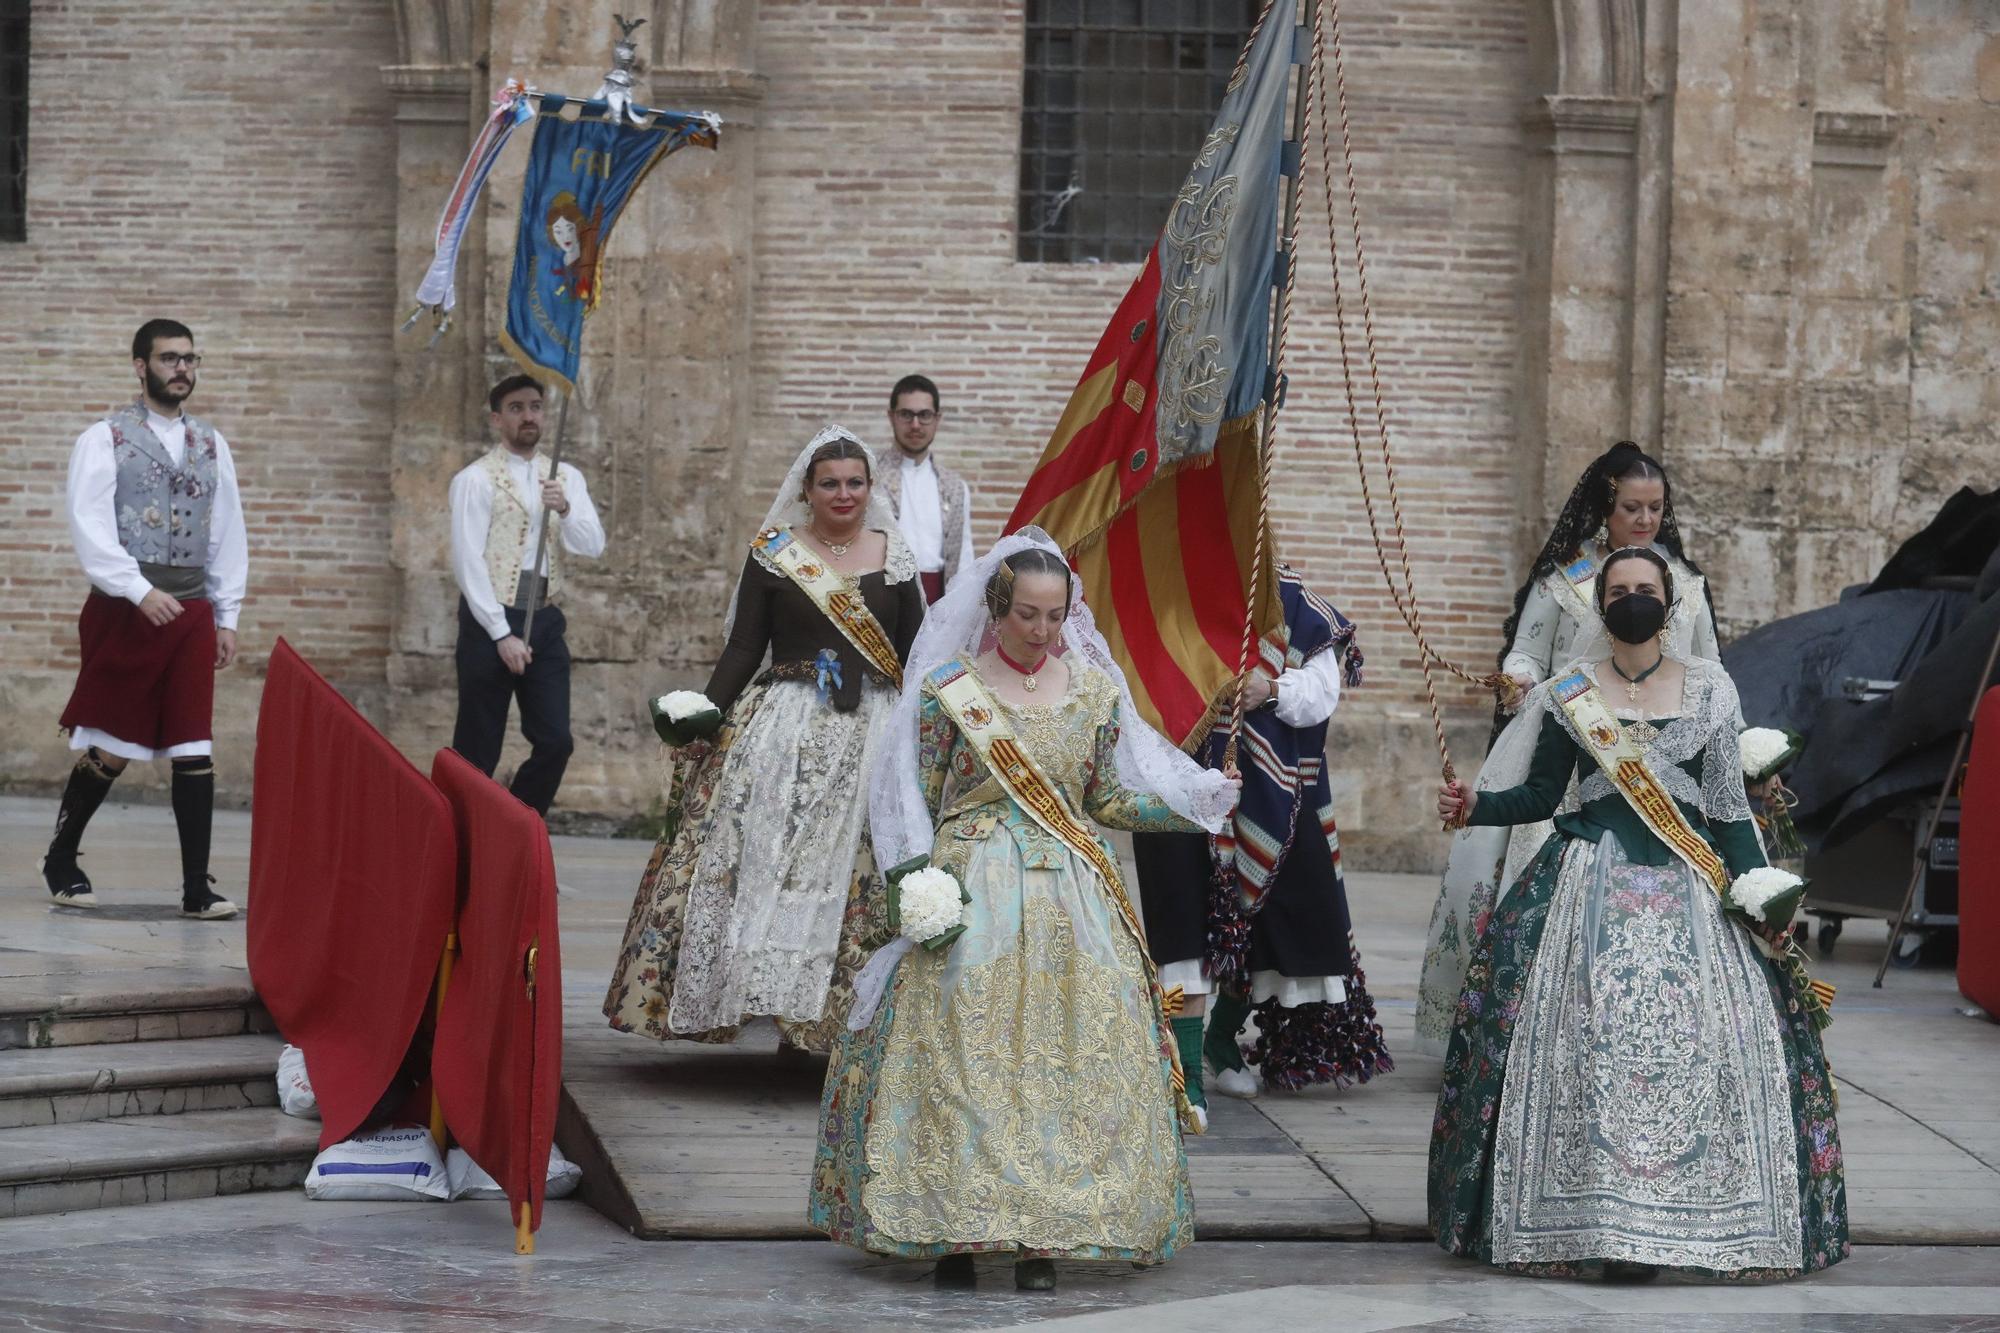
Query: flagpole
1281	310
542	528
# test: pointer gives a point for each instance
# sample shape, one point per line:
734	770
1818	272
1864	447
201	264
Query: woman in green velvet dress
1632	1083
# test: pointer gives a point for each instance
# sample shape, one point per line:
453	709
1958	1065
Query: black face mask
1636	617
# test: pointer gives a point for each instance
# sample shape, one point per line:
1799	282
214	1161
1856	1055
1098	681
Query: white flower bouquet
1769	898
1767	750
926	905
682	717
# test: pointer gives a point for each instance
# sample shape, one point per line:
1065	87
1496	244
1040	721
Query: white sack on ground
399	1163
470	1181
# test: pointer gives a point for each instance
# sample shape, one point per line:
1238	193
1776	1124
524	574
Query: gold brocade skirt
1011	1093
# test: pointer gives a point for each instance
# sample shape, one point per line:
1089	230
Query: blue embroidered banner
580	175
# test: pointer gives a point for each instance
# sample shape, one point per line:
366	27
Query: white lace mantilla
1705	726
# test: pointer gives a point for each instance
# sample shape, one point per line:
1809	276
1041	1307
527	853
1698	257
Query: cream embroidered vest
509	529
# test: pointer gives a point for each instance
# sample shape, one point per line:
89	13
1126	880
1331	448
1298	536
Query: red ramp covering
353	863
497	1061
1979	864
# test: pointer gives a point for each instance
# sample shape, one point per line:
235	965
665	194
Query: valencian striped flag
1150	479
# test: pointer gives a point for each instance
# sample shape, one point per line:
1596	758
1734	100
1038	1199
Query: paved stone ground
275	1262
712	1143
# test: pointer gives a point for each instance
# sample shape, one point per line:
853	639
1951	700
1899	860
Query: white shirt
93	520
1307	695
472	516
920	514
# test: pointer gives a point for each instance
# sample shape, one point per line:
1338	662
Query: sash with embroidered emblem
980	719
1621	760
837	598
1575	588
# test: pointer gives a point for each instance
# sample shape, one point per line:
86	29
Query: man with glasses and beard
497	557
932	502
158	527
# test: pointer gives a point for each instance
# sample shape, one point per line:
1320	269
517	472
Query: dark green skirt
1489	1017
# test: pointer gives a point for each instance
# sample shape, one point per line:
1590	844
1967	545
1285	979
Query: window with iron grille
13	120
1116	98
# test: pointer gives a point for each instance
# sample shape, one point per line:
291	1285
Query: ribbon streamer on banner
513	106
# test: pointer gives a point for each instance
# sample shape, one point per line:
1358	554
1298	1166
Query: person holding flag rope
1016	1091
760	902
1257	917
1635	1079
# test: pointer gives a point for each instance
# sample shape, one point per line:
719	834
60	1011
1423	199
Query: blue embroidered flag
580	175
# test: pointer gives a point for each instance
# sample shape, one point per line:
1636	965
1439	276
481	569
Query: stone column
1577	323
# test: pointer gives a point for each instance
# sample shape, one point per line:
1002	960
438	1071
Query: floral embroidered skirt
1012	1092
1630	1079
764	903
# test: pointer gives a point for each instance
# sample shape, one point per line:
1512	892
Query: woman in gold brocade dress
1016	1092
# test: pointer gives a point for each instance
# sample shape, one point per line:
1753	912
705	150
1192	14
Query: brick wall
223	166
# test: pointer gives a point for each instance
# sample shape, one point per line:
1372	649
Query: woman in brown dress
761	900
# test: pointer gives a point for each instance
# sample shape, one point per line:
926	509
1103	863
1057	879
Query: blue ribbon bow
827	666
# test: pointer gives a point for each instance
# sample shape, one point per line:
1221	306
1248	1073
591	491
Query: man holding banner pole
498	552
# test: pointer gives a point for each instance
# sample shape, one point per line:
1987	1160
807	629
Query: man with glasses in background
158	528
931	501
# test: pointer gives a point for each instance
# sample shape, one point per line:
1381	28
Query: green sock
1187	1037
1227	1013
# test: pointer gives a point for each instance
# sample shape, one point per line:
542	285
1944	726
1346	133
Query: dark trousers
486	687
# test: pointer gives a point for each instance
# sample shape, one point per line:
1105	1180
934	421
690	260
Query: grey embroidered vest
163	508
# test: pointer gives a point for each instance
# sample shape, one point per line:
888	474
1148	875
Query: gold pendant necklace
1028	674
834	548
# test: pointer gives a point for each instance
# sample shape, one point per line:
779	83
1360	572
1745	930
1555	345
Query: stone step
70	1084
100	1008
147	1159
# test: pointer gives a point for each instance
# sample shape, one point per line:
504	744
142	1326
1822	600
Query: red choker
1028	674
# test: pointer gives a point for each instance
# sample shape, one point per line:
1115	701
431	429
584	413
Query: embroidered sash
836	597
1575	589
980	719
1623	761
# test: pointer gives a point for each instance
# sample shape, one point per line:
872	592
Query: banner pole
542	528
1288	222
445	964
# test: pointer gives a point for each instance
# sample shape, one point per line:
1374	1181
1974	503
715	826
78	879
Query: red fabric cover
933	581
151	685
498	1057
1979	863
353	869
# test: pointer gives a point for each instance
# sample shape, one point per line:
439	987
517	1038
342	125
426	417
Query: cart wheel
1909	950
1829	932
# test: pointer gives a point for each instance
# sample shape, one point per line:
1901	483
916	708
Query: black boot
956	1270
194	816
89	783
